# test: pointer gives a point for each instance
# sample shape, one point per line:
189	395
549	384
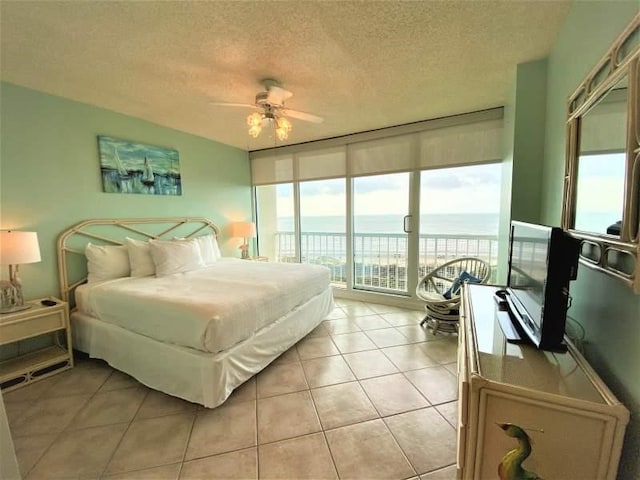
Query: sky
600	191
601	182
472	189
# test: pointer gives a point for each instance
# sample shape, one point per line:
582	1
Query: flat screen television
542	262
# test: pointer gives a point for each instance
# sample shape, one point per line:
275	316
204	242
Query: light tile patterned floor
367	394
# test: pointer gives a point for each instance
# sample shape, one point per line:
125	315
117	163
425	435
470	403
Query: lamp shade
243	229
18	247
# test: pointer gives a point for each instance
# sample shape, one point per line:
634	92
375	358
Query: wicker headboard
72	265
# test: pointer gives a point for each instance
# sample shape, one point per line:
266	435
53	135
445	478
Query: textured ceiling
360	65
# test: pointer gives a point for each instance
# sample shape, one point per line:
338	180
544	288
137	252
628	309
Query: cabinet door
565	442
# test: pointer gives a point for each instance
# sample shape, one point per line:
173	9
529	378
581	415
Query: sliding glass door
380	242
384	245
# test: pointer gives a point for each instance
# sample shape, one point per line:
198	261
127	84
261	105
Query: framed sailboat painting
129	167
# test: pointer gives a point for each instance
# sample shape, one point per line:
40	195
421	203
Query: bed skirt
196	376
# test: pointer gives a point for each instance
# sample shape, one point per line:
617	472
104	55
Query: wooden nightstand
38	320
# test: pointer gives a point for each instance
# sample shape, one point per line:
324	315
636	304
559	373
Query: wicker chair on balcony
440	291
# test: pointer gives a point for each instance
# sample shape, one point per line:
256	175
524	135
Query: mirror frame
603	252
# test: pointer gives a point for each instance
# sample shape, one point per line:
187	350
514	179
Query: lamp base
17	308
11	297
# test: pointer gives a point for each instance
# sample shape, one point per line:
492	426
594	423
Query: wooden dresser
575	424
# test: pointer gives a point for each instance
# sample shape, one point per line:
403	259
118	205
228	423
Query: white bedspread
210	309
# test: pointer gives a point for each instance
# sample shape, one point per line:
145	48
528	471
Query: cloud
601	166
463	177
472	189
323	187
391	182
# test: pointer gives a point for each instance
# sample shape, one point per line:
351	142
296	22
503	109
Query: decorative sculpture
510	468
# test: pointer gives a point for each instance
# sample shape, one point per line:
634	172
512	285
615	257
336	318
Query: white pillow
216	248
208	249
106	262
140	258
172	257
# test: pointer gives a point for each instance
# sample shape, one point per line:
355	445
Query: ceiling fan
271	111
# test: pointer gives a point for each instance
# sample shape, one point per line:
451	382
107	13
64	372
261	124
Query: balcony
381	259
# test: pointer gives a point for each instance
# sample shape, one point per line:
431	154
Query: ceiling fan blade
277	95
307	117
225	104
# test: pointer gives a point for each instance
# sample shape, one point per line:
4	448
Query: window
343	202
459	214
323	223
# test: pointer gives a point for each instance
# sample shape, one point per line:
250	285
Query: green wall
50	175
523	146
528	142
609	312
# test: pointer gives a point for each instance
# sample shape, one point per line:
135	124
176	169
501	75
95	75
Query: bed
197	326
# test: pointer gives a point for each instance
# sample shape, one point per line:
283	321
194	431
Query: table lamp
244	230
16	248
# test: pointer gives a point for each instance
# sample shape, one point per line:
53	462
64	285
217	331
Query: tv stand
575	424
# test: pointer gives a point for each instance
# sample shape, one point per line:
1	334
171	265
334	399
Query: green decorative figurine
510	468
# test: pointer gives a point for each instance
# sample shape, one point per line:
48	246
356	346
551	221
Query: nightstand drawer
14	330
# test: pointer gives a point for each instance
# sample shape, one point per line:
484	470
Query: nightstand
37	320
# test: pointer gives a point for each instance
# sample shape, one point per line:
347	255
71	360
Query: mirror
602	177
601	163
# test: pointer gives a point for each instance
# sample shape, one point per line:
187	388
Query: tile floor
368	394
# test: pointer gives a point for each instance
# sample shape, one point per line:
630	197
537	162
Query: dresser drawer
14	330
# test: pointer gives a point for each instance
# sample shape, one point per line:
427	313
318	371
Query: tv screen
542	262
529	256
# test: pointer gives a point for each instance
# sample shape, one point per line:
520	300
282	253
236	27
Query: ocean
430	224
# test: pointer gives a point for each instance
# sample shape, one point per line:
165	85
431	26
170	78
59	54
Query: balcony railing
381	259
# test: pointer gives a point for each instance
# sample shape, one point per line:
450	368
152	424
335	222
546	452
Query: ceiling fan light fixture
258	121
271	112
283	127
255	124
255	119
255	130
